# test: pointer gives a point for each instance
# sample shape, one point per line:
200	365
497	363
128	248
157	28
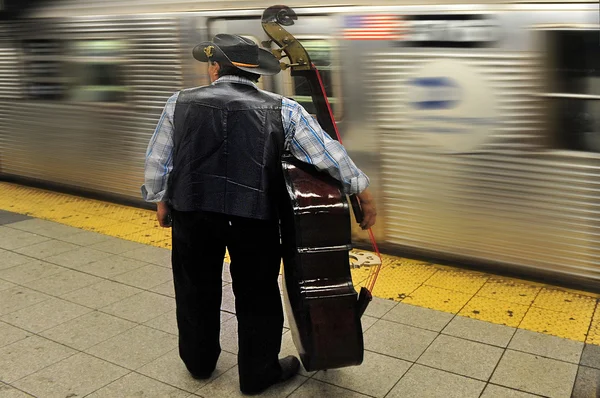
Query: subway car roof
66	8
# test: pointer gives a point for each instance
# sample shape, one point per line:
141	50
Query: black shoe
290	366
201	376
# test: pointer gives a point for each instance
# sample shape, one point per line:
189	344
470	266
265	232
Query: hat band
245	65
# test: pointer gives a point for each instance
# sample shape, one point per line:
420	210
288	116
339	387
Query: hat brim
267	63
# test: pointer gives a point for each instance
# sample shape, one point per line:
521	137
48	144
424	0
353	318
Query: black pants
199	242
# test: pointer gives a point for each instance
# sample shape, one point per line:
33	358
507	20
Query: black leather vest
228	139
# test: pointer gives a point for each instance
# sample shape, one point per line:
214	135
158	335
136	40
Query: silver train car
478	123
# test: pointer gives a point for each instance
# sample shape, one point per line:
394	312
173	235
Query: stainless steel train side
475	122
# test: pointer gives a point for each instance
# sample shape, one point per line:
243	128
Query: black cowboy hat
238	51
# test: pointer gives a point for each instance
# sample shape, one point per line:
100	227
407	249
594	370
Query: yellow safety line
552	310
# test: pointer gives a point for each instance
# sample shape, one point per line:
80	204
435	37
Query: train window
95	71
43	68
576	88
322	54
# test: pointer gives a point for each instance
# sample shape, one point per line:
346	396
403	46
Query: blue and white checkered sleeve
308	142
159	155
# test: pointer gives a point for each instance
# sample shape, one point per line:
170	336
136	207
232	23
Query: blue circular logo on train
440	92
452	108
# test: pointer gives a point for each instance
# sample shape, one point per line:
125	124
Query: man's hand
367	203
163	214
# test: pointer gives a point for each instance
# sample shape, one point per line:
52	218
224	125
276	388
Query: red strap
374	272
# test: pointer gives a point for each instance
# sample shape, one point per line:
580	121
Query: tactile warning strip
542	308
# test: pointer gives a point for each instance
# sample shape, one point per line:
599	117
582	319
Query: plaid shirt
304	139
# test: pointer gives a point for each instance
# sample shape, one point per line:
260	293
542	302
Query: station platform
87	310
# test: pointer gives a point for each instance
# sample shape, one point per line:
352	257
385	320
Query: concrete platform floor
84	314
522	304
86	307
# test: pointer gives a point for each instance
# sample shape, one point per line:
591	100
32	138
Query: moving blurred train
478	123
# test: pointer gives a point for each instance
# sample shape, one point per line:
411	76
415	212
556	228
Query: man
213	166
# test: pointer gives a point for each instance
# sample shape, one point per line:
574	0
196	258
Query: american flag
373	27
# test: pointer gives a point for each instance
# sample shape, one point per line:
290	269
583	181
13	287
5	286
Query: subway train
477	123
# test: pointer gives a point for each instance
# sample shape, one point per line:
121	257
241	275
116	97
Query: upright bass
323	307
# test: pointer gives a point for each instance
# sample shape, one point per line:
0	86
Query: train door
316	34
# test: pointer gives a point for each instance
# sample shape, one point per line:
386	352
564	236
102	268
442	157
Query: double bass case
320	300
322	305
